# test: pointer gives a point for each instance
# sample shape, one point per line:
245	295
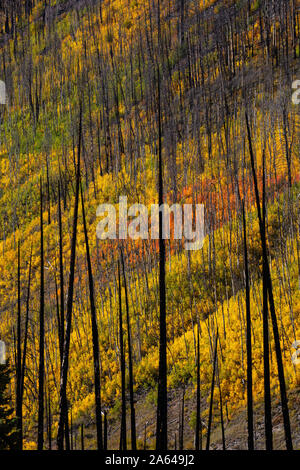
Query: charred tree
19	360
212	389
132	409
123	441
95	335
42	333
249	342
268	280
162	410
65	361
198	436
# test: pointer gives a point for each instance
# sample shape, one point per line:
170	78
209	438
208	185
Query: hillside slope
216	60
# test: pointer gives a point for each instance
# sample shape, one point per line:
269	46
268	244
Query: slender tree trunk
19	360
62	316
105	432
82	437
162	399
97	383
49	422
42	335
181	427
71	429
123	443
284	401
266	343
221	410
267	386
61	272
65	362
212	394
198	437
249	343
26	326
132	410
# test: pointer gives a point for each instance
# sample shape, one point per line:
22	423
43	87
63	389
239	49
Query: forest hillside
175	101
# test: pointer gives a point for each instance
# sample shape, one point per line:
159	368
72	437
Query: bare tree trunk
65	362
62	315
123	442
97	383
198	437
132	410
19	360
42	335
181	421
249	343
82	437
266	344
105	432
212	394
49	422
284	401
162	400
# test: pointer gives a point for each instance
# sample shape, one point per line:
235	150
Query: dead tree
42	333
162	399
212	393
198	433
249	343
123	441
65	361
132	410
19	359
95	335
268	280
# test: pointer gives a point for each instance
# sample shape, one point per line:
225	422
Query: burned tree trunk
97	383
65	361
132	410
212	393
123	443
18	362
249	343
198	436
42	335
162	410
268	280
61	319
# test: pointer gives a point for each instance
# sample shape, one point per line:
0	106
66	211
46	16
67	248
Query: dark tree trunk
198	436
105	432
212	393
82	437
19	360
42	335
181	421
123	443
221	412
49	422
284	401
266	344
97	383
61	271
26	326
249	343
65	361
132	410
62	315
162	410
